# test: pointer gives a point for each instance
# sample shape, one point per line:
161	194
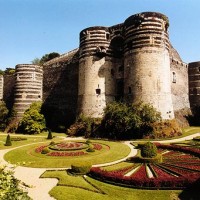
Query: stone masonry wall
1	87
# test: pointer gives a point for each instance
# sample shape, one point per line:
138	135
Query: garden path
40	187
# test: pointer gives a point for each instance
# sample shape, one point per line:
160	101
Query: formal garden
140	161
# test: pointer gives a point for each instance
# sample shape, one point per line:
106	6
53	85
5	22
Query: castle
132	61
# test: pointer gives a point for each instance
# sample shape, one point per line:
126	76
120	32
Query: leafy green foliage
48	57
80	168
165	129
3	115
10	186
84	126
122	121
8	141
149	150
33	122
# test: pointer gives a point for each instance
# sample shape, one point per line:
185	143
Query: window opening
174	77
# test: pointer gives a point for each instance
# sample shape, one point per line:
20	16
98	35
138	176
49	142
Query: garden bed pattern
71	148
180	167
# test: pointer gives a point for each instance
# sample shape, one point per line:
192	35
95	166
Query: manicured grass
30	139
30	158
73	188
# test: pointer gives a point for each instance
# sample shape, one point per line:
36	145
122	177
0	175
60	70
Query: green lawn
75	188
30	158
29	139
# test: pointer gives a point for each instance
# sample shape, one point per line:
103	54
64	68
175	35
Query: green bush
80	169
45	150
90	149
33	122
84	126
139	159
165	129
148	150
3	115
11	188
122	121
8	141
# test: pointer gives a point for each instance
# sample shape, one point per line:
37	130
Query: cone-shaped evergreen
8	141
49	137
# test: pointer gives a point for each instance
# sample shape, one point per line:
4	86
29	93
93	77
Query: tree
33	122
48	57
122	121
3	115
36	61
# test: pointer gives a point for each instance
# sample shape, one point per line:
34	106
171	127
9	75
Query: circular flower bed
71	149
68	146
180	167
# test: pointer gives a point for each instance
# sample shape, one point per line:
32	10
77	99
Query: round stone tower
28	87
194	83
96	75
147	63
1	87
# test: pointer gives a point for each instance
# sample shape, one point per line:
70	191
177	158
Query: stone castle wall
130	61
1	87
194	84
60	89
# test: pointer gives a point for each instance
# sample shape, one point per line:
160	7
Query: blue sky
31	28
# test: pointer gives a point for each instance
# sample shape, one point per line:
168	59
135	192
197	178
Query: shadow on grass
192	192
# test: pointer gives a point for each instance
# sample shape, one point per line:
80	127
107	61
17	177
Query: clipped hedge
140	159
80	169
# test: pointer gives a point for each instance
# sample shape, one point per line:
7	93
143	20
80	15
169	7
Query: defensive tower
147	63
28	87
96	82
194	83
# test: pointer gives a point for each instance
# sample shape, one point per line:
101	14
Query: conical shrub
49	137
8	141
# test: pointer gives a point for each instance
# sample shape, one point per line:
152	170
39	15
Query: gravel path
40	187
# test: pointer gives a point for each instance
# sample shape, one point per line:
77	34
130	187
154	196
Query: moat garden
105	169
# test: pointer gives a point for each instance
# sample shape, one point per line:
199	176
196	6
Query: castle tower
194	83
96	79
1	87
28	87
147	63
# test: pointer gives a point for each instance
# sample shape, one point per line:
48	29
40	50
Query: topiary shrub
80	169
45	150
90	150
148	150
8	141
49	137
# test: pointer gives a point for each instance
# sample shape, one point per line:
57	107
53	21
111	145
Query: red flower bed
160	173
194	151
195	166
39	149
97	146
140	173
160	182
58	153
